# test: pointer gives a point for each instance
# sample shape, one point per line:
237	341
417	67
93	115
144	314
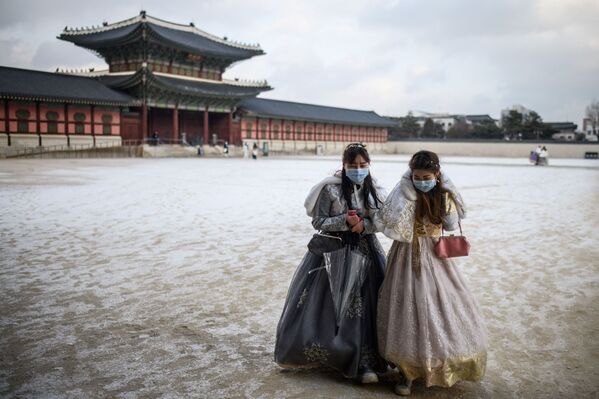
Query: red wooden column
66	124
93	120
230	127
293	135
37	122
205	125
6	118
6	121
257	129
144	121
176	123
269	136
37	117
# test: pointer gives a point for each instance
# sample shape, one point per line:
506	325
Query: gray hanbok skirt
308	334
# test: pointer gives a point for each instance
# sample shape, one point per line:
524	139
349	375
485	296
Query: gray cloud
463	56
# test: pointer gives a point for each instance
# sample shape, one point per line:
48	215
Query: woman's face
423	174
358	163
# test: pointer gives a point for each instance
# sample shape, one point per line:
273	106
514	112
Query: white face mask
357	176
425	185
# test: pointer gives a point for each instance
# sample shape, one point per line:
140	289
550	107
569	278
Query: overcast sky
459	56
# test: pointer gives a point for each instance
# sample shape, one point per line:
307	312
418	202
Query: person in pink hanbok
428	323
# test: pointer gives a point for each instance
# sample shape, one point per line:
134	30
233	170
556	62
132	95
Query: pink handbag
452	246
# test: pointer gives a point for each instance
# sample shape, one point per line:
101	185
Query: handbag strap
459	224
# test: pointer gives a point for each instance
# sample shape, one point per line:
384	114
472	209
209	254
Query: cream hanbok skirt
428	322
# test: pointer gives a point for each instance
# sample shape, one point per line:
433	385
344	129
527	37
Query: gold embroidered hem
446	372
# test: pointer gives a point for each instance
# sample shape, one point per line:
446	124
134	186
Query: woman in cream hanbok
310	332
428	323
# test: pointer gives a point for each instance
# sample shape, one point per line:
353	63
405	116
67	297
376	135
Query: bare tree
592	113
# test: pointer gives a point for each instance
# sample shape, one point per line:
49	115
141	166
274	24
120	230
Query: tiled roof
25	84
479	118
187	86
184	37
310	112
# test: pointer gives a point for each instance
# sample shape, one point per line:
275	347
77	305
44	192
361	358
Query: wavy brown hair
349	156
430	204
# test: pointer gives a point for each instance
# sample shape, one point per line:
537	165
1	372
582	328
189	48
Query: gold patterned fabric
446	372
422	230
427	229
428	322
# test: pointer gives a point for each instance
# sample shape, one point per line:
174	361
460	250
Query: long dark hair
349	156
432	203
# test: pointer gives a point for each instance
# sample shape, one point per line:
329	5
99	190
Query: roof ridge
105	27
56	73
240	83
315	105
192	29
143	17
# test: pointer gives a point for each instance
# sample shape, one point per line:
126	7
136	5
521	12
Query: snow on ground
165	278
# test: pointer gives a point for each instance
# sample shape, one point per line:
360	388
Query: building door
131	127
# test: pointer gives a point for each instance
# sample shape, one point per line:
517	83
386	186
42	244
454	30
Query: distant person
537	154
226	149
311	332
428	322
155	138
543	156
255	151
246	150
534	155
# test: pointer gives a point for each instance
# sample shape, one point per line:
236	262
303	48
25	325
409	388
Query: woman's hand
352	220
358	227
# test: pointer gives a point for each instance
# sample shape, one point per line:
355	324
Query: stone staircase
180	151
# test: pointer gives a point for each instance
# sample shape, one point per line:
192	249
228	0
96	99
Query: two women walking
411	311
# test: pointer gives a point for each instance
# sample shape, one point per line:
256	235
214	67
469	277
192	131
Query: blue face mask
425	185
357	176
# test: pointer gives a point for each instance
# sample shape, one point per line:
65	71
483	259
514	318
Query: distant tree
486	130
546	132
432	129
592	113
460	130
409	125
532	125
512	123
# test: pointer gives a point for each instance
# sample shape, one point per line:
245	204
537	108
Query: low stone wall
105	141
24	140
81	141
169	151
504	149
50	140
309	147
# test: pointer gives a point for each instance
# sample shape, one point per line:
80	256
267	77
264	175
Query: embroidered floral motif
355	307
401	224
316	353
302	297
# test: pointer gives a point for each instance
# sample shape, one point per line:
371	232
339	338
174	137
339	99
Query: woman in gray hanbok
309	333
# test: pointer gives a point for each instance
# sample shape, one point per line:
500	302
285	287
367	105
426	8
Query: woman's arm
451	219
323	219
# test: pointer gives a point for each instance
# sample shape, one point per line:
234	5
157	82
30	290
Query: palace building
167	79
